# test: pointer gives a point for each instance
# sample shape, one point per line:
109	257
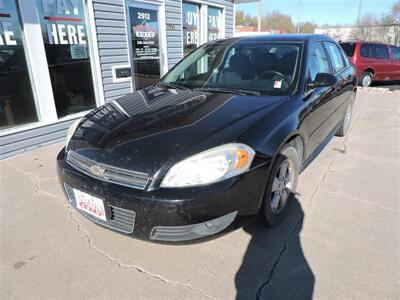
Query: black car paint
153	136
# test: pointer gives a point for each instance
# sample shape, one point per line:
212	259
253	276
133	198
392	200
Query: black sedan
221	137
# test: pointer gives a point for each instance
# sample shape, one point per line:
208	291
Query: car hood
151	129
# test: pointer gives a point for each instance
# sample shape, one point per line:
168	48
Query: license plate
90	204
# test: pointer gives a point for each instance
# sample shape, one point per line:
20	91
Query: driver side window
318	62
203	67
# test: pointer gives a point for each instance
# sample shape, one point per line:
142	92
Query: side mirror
322	80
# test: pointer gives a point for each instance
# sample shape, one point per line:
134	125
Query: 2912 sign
145	27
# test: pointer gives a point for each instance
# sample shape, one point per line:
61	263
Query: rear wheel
366	79
281	185
344	126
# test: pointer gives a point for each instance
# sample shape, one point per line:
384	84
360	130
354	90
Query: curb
379	90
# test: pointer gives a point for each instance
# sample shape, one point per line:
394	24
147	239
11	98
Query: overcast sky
323	11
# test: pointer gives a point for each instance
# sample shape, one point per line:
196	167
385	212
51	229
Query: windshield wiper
230	91
172	85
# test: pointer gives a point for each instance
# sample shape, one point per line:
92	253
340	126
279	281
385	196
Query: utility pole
359	12
259	15
299	16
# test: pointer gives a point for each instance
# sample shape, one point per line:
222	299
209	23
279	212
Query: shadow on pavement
274	266
391	85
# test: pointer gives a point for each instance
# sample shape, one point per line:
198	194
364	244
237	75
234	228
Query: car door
346	81
366	58
317	100
383	64
395	62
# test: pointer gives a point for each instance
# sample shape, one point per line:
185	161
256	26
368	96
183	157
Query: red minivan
374	61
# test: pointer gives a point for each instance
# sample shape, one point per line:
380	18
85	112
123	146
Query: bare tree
245	19
396	18
307	27
279	22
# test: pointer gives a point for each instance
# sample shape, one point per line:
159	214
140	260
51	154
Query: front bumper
169	214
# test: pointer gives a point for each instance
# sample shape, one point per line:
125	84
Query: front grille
121	219
108	173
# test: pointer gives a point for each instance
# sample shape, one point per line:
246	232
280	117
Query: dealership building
60	59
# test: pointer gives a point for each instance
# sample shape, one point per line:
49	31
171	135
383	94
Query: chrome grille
108	173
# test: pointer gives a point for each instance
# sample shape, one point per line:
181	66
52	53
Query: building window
66	44
191	27
214	23
17	105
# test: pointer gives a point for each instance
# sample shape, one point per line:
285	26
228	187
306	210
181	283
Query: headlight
71	131
210	166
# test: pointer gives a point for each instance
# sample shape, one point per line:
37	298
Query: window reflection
190	27
65	38
17	105
214	23
147	72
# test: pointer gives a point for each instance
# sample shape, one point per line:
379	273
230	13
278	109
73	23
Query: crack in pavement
36	187
343	151
36	181
360	200
137	268
278	259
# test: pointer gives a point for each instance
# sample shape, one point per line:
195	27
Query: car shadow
274	266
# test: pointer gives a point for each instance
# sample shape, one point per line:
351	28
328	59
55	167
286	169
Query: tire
366	79
274	206
345	124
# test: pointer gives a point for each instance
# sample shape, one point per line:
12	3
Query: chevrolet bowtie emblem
97	171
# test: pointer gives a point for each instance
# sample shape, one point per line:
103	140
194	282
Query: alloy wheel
282	186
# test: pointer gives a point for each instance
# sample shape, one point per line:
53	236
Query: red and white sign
90	204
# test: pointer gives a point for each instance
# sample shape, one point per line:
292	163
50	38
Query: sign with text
145	32
190	26
214	23
63	22
10	34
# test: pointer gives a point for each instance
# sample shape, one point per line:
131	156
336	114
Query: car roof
366	42
281	38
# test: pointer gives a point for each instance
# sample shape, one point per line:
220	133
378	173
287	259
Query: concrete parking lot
340	240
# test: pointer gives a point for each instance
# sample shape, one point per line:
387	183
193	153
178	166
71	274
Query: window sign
66	43
190	27
145	36
214	23
17	105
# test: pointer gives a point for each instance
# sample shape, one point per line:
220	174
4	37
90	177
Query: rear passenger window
318	61
367	50
396	53
335	56
348	48
382	52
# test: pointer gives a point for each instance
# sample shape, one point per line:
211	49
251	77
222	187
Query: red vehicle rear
374	61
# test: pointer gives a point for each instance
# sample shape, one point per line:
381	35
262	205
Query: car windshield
247	68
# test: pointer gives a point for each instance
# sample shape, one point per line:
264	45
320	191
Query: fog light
209	225
191	232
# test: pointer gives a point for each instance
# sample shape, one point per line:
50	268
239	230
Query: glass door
145	44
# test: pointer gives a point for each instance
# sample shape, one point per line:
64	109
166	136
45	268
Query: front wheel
281	185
